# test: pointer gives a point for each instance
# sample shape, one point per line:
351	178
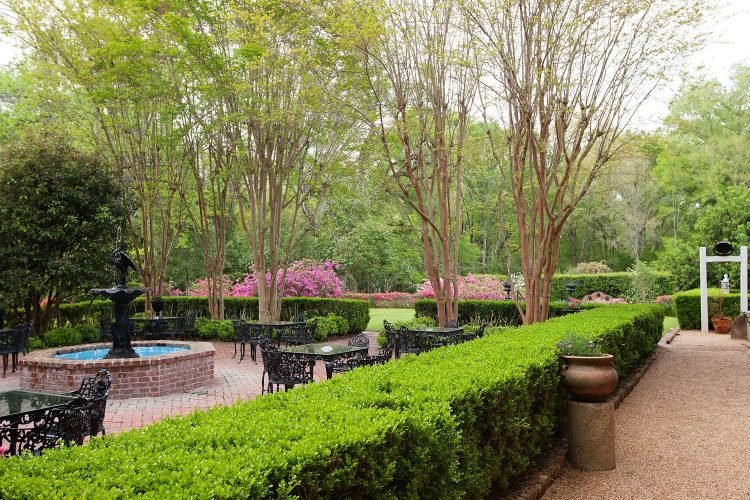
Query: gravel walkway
684	431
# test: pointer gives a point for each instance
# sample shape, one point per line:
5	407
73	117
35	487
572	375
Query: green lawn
669	322
392	315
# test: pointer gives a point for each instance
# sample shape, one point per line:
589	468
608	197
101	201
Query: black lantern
570	288
507	287
723	248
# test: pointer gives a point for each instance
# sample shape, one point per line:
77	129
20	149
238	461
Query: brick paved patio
232	381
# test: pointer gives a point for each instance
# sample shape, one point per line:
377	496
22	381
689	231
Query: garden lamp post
507	287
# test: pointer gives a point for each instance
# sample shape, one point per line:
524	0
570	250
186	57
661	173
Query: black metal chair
12	343
299	334
347	363
68	425
382	357
412	342
105	329
240	335
95	390
189	324
283	368
171	329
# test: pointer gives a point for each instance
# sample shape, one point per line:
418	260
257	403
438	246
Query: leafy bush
214	329
438	425
688	306
591	268
356	312
470	287
613	284
35	343
330	325
89	333
397	300
58	337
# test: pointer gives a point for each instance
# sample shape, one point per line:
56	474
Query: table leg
329	370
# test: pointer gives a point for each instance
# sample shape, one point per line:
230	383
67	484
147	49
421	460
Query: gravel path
684	431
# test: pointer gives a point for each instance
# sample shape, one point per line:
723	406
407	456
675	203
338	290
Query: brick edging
548	475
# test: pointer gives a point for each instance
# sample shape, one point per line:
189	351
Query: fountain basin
188	366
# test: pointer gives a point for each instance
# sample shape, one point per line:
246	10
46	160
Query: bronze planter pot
589	378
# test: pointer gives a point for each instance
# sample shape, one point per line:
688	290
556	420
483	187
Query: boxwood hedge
688	306
456	422
493	312
356	312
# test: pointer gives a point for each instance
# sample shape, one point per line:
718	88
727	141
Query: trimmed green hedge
356	312
613	284
688	307
456	422
493	312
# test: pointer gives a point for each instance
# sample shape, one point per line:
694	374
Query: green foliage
576	344
214	329
35	343
491	312
438	425
355	312
613	284
644	284
63	336
330	325
688	306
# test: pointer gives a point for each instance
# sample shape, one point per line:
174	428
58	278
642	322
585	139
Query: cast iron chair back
285	369
95	390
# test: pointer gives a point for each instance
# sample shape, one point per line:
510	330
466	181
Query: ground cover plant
455	422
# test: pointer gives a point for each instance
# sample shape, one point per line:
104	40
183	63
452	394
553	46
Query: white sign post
742	259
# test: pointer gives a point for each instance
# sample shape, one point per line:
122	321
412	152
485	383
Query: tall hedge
456	422
356	312
493	312
688	307
613	284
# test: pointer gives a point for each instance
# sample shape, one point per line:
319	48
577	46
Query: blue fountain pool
143	351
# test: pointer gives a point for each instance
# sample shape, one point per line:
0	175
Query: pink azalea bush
470	287
303	279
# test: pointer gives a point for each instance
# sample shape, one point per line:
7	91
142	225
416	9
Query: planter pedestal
591	435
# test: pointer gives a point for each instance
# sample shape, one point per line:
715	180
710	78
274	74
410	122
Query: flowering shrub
577	344
303	279
667	302
470	287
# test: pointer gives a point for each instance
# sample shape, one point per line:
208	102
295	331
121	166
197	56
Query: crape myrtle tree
126	77
58	207
563	80
417	61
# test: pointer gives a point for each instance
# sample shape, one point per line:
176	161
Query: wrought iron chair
241	334
282	368
412	342
105	329
299	334
68	425
171	329
189	324
95	390
349	362
382	357
12	343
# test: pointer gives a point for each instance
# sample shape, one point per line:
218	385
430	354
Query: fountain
121	297
163	367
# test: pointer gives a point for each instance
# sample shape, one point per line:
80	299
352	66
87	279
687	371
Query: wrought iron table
325	352
25	407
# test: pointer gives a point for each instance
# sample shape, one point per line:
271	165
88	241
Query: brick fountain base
151	376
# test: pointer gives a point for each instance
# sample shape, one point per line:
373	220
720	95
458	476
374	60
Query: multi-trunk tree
421	80
563	79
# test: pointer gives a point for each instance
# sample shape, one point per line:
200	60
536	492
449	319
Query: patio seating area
232	381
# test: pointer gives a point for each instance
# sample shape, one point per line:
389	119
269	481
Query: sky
728	45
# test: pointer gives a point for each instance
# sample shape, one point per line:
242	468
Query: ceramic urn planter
589	378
